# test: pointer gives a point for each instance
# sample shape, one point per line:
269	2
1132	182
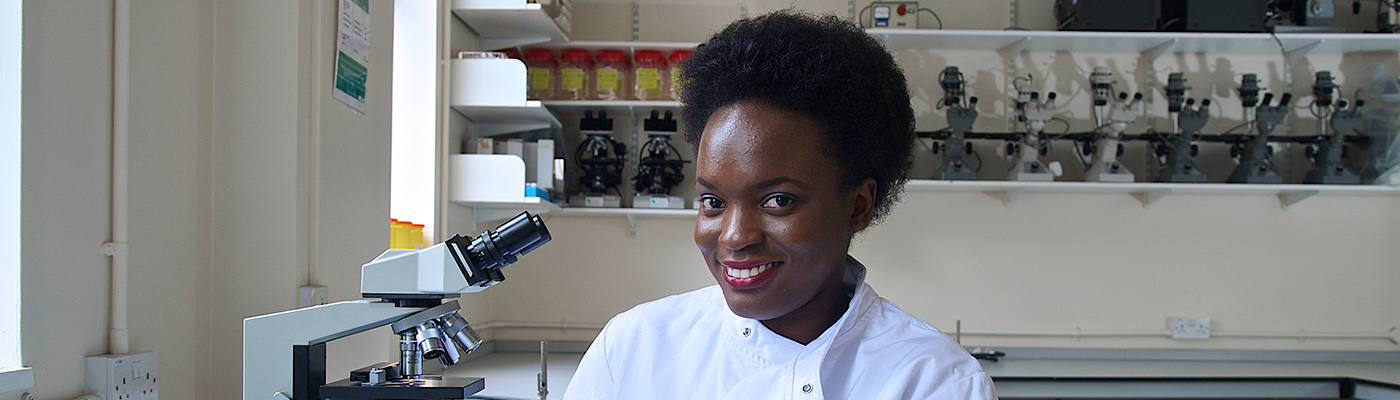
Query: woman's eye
779	201
711	202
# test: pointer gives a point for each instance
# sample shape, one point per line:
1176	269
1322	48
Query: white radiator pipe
118	341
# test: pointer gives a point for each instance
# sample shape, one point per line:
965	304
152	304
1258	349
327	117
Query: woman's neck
809	321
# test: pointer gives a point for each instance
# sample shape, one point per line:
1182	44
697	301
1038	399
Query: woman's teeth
748	272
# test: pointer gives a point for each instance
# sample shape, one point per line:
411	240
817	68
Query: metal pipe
118	340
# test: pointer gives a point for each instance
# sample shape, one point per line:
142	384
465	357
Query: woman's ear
862	203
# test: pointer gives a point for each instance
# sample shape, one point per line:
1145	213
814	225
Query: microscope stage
444	388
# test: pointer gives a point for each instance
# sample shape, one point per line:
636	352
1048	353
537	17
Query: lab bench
510	369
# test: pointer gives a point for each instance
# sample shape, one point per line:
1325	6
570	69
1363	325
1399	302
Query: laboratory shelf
1151	43
500	120
610	105
629	212
483	211
1149	193
506	24
630	48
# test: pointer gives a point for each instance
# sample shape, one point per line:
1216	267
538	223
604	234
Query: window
11	376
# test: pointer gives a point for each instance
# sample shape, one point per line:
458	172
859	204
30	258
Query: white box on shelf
489	178
539	163
494	82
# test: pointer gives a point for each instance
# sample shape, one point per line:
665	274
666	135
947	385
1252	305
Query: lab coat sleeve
975	387
594	378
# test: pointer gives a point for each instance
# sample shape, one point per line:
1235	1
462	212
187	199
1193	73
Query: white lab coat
691	346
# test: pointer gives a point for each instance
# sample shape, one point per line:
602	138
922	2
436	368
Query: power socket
1189	328
123	376
901	15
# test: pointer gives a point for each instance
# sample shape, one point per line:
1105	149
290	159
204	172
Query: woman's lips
748	274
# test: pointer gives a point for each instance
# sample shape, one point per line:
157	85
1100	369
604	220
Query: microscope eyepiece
481	259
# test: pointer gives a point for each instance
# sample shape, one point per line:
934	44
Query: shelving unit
610	105
521	24
1148	193
1151	43
628	48
497	120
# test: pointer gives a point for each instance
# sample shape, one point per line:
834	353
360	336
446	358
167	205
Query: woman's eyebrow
767	183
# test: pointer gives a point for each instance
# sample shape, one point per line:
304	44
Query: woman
804	135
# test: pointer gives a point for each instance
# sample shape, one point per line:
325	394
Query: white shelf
499	120
500	211
520	24
1152	44
629	48
629	212
1149	193
610	105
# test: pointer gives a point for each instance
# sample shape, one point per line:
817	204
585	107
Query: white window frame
13	376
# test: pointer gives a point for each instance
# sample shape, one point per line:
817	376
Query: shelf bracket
636	21
1288	198
632	222
1007	196
1011	50
1148	197
1297	54
1155	52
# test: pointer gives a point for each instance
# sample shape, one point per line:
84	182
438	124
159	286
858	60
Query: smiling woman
804	133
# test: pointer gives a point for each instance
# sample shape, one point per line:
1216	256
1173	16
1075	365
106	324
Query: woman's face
774	225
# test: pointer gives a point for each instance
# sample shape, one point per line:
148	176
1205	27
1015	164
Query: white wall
222	118
66	210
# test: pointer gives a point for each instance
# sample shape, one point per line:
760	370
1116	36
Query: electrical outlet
903	15
1189	328
123	376
311	295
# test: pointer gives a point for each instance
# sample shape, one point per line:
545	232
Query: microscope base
1261	175
445	388
1030	172
955	170
1339	177
658	201
599	201
1116	177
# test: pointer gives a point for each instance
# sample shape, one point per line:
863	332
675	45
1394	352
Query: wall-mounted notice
352	53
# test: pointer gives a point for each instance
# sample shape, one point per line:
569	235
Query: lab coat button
746	332
807	388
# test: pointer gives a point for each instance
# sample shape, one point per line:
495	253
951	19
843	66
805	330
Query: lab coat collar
761	345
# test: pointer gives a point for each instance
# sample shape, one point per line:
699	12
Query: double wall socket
1189	328
123	376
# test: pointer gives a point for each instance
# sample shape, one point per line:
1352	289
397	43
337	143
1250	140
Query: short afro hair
821	66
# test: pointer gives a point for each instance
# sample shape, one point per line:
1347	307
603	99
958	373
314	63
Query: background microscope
1176	150
1025	153
284	354
602	159
659	165
1105	146
1255	155
1342	118
962	113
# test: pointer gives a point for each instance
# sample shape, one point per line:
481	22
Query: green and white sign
352	53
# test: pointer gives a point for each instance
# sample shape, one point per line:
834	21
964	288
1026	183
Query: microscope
659	165
1105	147
1025	153
602	160
962	113
1255	156
1176	150
1342	117
284	354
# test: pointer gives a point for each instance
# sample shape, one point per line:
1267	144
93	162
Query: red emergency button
900	10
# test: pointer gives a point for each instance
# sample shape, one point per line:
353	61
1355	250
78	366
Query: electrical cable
860	17
935	17
979	161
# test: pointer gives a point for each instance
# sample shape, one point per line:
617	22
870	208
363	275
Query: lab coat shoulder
903	357
628	347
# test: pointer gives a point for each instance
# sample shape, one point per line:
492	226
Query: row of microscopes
1175	150
603	161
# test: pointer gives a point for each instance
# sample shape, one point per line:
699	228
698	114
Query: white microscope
284	354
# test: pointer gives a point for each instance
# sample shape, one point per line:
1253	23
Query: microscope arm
268	340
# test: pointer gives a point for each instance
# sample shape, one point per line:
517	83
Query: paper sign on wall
352	53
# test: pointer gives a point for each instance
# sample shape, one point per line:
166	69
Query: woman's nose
740	229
